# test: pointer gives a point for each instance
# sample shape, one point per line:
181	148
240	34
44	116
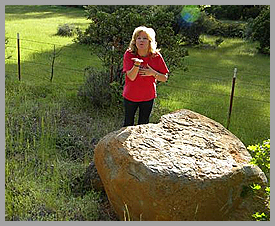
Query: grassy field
206	87
50	134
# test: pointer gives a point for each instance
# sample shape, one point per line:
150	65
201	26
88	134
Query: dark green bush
66	30
191	24
111	30
219	28
234	12
207	24
98	91
110	33
261	30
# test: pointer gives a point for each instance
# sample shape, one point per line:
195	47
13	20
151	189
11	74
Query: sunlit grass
206	87
46	148
49	134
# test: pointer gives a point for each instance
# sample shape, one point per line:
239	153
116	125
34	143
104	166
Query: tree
234	12
111	30
261	30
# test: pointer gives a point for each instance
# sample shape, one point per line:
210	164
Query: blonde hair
152	40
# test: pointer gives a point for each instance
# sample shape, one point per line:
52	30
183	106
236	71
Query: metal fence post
51	79
18	57
231	97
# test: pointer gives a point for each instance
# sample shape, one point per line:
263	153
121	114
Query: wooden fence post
231	97
18	57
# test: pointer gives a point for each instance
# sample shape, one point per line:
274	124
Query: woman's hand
132	74
151	72
147	71
137	61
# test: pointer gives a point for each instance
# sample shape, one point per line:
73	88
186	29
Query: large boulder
186	167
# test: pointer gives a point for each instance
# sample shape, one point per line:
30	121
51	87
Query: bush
261	30
234	12
261	157
218	28
191	24
97	89
6	43
194	23
111	30
66	30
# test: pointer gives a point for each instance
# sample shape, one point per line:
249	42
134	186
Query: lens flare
189	14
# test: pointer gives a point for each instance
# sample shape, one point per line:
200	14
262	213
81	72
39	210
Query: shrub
66	30
191	24
248	29
111	30
110	33
234	12
6	43
261	156
261	30
97	89
219	28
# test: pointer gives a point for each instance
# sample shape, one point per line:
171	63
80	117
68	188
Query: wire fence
41	61
40	58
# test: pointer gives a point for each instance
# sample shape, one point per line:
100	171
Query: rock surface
186	167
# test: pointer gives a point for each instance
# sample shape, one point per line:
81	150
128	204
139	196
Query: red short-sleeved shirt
143	88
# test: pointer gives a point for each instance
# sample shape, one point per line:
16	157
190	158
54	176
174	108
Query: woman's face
142	41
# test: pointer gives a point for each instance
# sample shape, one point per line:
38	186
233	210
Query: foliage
195	21
110	33
261	30
260	216
260	192
97	89
261	156
111	30
218	28
257	27
191	24
168	41
234	12
38	174
66	30
7	56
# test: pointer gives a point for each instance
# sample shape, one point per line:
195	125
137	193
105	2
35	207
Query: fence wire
203	77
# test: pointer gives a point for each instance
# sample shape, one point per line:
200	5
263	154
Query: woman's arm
161	77
151	72
132	74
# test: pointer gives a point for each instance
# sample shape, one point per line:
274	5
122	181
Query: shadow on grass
21	12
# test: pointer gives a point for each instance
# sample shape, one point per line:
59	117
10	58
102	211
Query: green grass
206	87
50	134
37	27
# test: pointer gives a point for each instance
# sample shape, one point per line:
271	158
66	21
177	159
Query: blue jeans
145	108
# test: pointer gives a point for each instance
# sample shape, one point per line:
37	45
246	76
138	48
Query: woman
143	66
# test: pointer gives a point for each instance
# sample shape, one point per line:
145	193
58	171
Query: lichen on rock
186	167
